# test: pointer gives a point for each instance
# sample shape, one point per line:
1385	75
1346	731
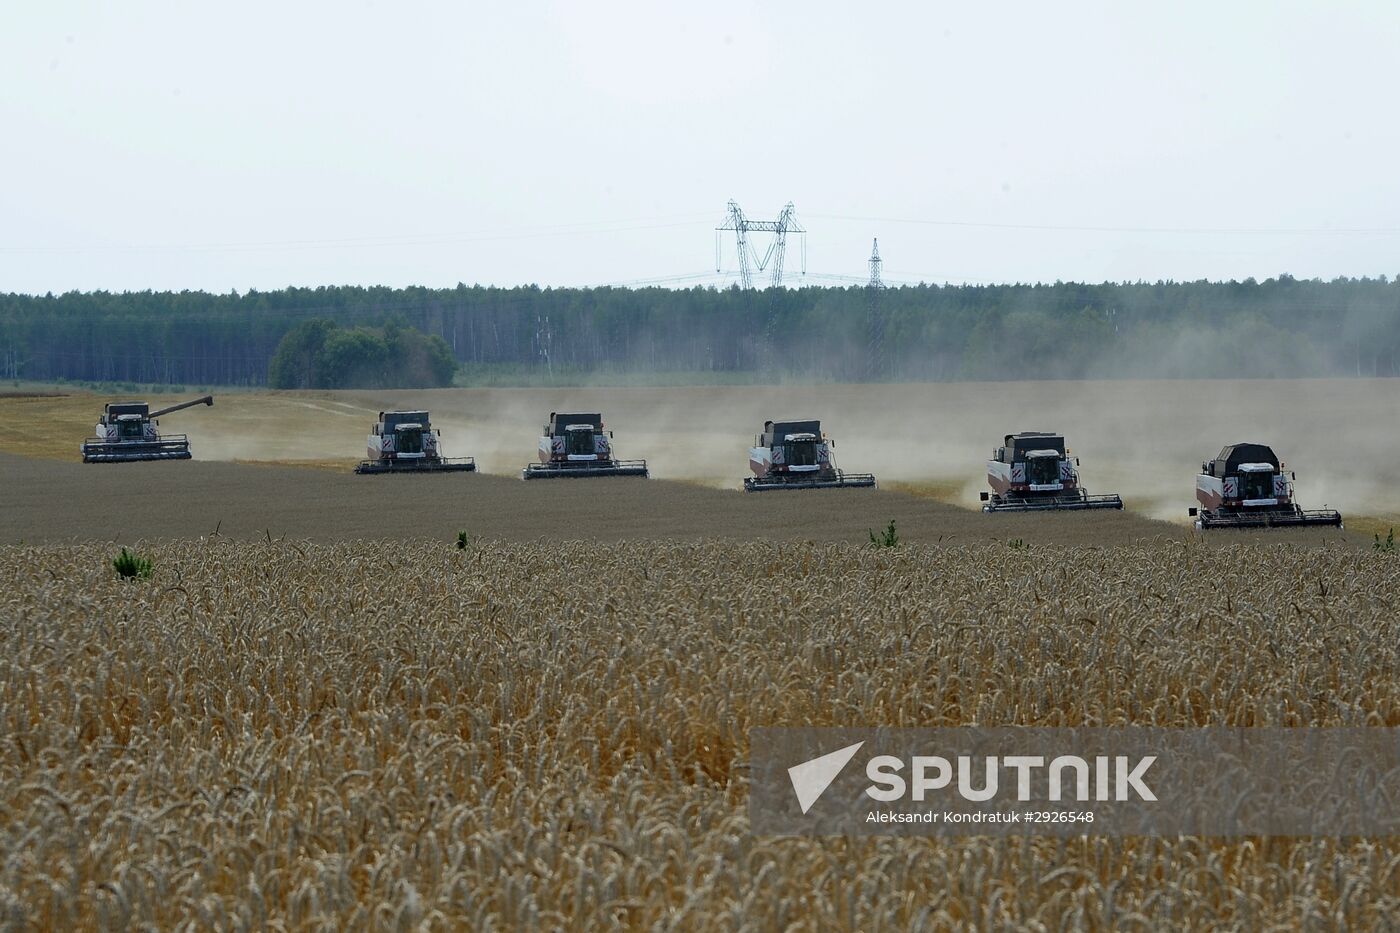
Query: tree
318	354
295	364
356	358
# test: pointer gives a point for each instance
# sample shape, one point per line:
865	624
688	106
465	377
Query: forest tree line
1279	327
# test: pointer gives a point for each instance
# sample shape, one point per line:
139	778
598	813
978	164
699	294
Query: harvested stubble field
49	501
534	736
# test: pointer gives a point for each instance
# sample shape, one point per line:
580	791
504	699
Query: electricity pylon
875	319
773	258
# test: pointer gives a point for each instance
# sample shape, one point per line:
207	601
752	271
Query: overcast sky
257	145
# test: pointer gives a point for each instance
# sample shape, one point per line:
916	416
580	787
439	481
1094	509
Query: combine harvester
797	455
1034	472
1247	487
127	432
577	445
407	442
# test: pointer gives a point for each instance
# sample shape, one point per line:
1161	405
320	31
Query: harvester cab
1043	470
1034	471
797	455
579	445
586	443
131	425
127	432
407	442
1247	486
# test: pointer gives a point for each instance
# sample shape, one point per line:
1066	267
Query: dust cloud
1144	440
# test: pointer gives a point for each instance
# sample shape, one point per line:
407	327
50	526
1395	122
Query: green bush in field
129	566
887	538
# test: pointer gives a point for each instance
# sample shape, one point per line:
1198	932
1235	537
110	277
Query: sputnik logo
811	778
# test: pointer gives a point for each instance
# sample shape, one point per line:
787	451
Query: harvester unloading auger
407	442
578	445
1034	472
1247	486
797	455
128	432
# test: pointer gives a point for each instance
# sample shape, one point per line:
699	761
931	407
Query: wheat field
354	735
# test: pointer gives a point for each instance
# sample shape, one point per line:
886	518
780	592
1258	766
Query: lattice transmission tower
773	258
544	342
875	318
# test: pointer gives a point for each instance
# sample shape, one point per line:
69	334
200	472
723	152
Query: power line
1080	228
667	279
592	228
